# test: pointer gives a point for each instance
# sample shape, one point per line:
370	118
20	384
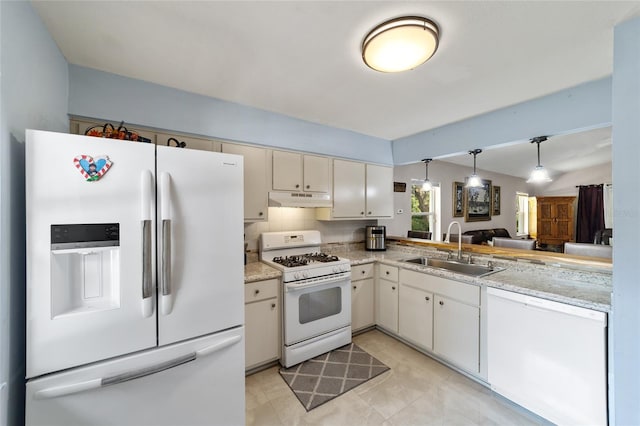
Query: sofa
481	236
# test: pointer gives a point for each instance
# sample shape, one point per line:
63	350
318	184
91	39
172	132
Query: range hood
299	199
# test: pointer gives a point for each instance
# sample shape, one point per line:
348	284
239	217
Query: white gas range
316	294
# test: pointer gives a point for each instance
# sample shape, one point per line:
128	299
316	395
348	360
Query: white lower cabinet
362	297
387	291
441	316
415	322
262	323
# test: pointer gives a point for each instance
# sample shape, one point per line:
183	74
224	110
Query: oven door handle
300	285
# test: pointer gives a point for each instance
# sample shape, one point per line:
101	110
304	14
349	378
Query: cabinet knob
273	306
260	214
361	213
297	185
355	288
308	186
441	303
387	272
426	298
393	288
368	212
364	272
256	292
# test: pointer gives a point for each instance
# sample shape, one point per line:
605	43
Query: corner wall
34	86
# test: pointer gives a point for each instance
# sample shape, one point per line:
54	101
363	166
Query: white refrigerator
134	283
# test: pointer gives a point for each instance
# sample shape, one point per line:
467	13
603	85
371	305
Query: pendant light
539	174
426	186
474	180
400	44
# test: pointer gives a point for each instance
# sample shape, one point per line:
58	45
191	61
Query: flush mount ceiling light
426	186
474	180
539	174
400	44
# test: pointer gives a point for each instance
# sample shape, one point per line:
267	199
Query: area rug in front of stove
329	375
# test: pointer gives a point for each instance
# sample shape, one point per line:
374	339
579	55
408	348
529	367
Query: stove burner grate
304	259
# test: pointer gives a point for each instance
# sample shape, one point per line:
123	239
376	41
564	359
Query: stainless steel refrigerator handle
166	257
146	259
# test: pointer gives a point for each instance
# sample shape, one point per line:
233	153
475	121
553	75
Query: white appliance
548	357
317	294
109	340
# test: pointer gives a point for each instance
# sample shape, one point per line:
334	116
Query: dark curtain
590	213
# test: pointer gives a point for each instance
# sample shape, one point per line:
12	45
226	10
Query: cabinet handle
387	272
308	186
260	214
355	288
426	298
256	292
297	185
393	288
369	213
441	303
361	213
273	306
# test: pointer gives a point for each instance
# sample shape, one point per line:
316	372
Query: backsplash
295	219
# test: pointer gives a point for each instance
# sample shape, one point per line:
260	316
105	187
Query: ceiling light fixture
474	180
426	186
400	44
539	174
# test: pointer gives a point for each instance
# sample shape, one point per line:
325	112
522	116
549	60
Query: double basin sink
470	269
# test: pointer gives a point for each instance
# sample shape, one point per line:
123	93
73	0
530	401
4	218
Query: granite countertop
587	285
585	288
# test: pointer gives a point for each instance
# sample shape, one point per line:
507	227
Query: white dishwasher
548	357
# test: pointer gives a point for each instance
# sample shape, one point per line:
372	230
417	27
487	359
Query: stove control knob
296	275
335	269
305	274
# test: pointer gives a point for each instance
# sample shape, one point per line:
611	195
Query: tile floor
416	391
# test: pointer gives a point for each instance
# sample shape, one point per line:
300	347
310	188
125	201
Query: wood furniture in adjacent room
556	222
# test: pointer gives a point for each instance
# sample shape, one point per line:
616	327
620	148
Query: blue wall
34	86
626	267
112	97
579	108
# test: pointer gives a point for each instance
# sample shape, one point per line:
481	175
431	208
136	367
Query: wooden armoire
555	220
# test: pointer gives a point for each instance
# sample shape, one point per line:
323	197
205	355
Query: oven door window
319	304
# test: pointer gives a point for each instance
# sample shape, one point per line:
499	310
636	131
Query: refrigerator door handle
166	299
147	256
218	346
68	389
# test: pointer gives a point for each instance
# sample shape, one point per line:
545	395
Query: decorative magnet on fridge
90	168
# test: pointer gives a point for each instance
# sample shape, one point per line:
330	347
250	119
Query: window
425	209
522	213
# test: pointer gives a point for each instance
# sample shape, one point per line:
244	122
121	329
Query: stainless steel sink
470	269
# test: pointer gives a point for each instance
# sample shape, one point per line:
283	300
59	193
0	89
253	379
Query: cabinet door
555	219
379	191
316	173
262	328
362	312
287	171
415	316
387	305
255	180
457	333
348	189
191	143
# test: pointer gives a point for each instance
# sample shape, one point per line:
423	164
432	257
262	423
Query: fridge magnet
92	169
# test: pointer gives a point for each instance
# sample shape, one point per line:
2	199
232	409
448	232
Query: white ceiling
302	58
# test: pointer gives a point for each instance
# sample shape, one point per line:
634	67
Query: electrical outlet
400	211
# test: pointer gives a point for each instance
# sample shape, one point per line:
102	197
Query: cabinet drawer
388	272
260	290
465	293
361	272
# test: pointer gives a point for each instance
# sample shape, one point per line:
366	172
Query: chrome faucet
448	239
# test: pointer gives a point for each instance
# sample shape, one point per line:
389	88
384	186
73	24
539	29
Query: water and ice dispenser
85	268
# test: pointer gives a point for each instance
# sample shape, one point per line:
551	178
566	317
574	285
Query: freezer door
89	250
200	243
198	382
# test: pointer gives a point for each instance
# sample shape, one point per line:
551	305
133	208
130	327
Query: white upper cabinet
379	197
360	191
297	172
256	180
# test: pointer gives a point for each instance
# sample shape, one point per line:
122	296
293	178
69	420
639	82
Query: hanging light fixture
474	180
539	174
426	186
400	44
